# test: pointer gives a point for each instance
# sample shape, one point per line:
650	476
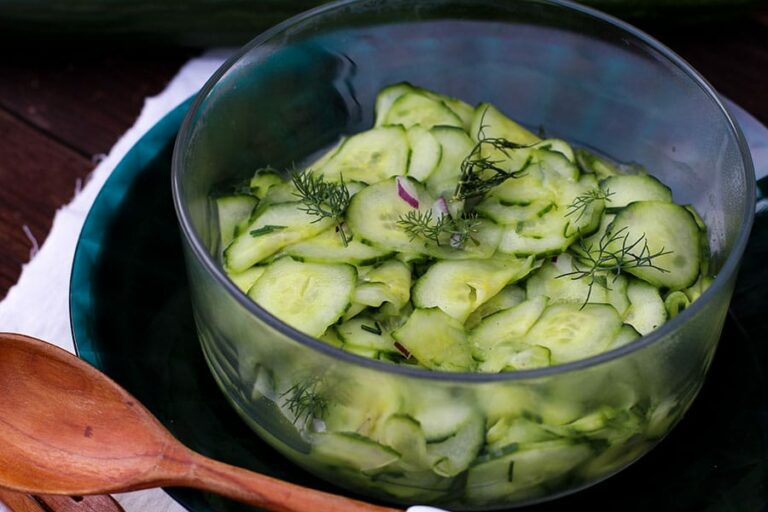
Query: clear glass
580	75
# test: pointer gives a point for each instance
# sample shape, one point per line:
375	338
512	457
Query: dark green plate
131	317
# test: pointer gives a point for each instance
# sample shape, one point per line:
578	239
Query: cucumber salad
451	238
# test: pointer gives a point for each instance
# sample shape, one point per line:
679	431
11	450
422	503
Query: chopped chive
404	351
373	330
264	230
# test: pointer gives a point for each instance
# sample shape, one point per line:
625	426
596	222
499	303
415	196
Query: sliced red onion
455	241
407	191
406	353
440	208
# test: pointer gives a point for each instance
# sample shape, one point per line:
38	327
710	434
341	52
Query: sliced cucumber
511	295
414	108
626	189
389	282
263	180
508	325
374	212
387	96
675	302
456	145
515	356
369	157
646	311
351	450
276	227
454	455
365	332
234	211
572	332
426	153
660	228
308	296
245	279
591	163
403	434
520	472
626	335
436	340
327	247
489	122
460	287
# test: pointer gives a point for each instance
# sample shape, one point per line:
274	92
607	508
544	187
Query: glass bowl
412	436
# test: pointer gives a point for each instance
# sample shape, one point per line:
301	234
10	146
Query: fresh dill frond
443	230
582	202
480	173
265	230
323	199
305	402
615	253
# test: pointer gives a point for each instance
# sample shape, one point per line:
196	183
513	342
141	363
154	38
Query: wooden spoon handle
267	492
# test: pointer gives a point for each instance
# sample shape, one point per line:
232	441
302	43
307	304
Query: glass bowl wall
574	73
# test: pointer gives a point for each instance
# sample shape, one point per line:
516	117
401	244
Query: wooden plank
85	98
37	175
19	502
96	503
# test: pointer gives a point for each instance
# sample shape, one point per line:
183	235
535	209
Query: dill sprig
322	199
478	173
305	402
445	229
615	253
582	202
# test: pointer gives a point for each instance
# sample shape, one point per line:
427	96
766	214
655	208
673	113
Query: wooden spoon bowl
69	429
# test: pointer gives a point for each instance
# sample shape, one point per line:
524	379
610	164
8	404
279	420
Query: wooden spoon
66	428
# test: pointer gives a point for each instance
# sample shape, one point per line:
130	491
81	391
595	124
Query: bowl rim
728	270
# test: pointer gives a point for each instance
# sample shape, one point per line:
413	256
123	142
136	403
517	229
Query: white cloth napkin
38	304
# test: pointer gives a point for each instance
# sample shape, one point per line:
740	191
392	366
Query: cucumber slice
374	212
275	227
234	211
369	157
307	296
510	324
456	145
414	108
389	282
521	472
508	432
387	96
675	302
510	296
245	279
491	123
574	332
327	247
440	412
351	450
557	281
403	434
436	340
460	287
511	214
365	332
558	146
482	245
664	227
263	180
646	311
454	455
426	153
626	189
627	334
331	337
515	356
591	163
